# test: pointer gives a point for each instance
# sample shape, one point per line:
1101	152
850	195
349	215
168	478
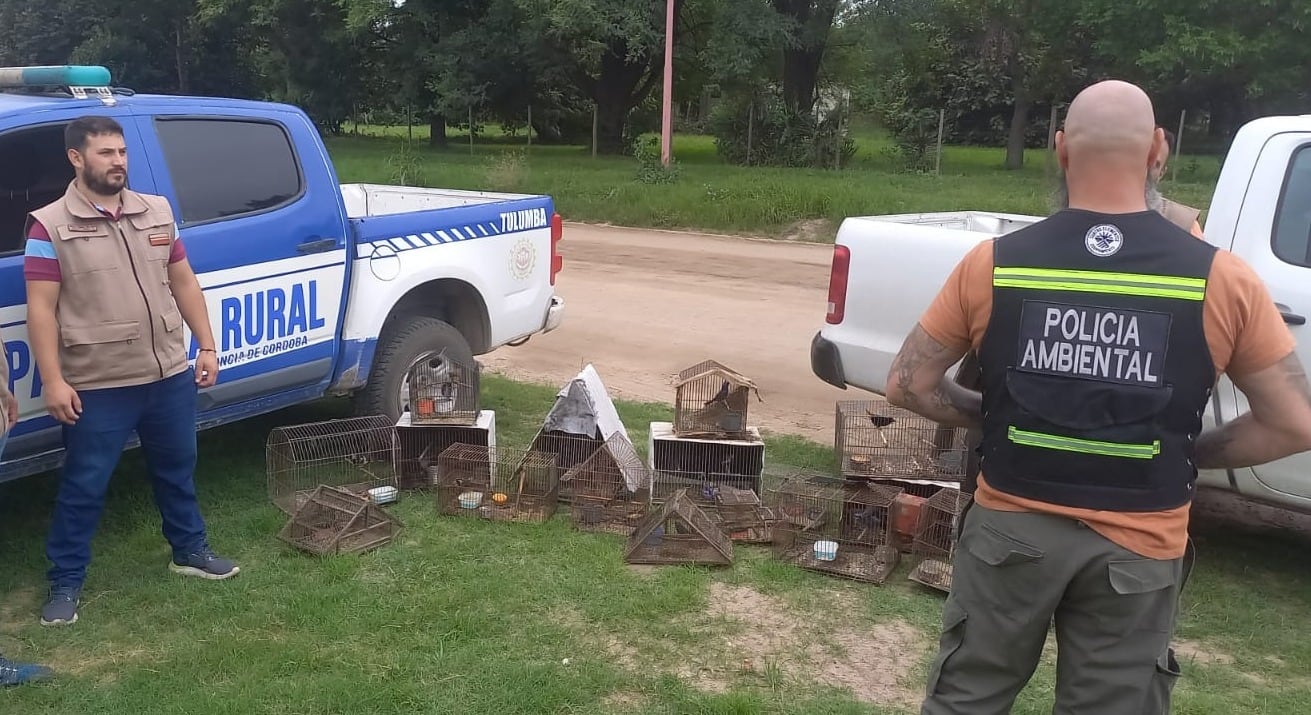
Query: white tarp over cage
583	407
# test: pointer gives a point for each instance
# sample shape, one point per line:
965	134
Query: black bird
720	396
879	422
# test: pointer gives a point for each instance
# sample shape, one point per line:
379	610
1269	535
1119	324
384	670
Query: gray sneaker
61	606
204	564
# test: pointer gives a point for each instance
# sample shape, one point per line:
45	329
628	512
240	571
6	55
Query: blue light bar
55	76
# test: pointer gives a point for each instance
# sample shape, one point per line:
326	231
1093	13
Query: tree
803	54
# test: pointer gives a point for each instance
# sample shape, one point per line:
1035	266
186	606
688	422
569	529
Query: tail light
557	231
837	285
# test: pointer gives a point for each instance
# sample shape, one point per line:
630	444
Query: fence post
942	120
470	130
1178	145
751	123
530	125
595	121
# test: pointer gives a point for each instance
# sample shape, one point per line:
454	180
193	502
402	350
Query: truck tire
399	346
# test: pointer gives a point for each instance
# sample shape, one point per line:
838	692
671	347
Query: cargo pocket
953	636
172	320
1148	595
118	331
88	349
1005	575
1164	679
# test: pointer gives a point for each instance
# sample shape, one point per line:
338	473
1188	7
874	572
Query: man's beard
103	184
1155	201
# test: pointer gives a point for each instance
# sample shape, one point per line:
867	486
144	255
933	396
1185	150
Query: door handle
317	245
1289	316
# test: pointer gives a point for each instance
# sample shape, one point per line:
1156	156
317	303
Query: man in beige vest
108	288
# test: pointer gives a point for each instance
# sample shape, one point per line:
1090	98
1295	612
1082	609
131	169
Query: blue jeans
163	413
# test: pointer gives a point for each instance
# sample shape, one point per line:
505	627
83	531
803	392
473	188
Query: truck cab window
224	169
1292	236
36	172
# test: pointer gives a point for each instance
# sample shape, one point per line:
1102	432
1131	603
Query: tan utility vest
118	322
1180	215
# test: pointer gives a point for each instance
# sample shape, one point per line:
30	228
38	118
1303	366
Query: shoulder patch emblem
1103	240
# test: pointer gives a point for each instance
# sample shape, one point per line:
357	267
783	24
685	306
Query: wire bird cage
711	400
463	475
336	521
731	501
569	449
874	439
678	532
443	390
525	486
352	453
937	536
743	461
823	524
417	446
606	488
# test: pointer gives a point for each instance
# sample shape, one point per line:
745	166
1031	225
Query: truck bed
366	200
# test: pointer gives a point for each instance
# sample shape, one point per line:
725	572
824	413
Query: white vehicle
887	269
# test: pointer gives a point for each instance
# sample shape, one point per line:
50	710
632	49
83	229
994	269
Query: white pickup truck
887	269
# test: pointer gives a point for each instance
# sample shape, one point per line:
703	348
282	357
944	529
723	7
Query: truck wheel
399	348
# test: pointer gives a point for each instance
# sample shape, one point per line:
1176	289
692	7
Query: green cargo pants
1013	574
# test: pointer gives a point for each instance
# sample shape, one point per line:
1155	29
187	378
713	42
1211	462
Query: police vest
1095	367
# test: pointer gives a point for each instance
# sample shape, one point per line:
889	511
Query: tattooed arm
1278	425
918	382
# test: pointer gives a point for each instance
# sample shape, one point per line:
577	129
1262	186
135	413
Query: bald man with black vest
1100	333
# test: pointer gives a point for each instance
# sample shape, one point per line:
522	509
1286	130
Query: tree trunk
617	92
802	60
437	130
179	55
1019	128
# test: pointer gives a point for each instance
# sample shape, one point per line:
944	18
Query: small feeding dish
471	500
826	550
383	495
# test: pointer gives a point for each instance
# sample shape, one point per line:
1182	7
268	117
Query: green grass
714	196
465	616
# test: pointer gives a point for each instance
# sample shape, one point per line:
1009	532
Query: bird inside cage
879	422
437	382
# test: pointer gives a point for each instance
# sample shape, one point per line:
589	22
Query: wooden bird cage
353	453
937	536
607	490
678	532
463	475
525	486
336	521
710	400
731	501
939	523
417	446
867	514
570	450
822	524
873	440
443	390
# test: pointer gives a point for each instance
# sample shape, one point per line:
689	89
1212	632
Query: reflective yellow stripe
1084	446
1098	282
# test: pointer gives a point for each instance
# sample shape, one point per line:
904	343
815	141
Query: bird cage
678	532
352	453
867	514
730	500
336	521
937	536
876	440
606	488
463	475
711	400
820	525
443	390
525	486
417	446
569	449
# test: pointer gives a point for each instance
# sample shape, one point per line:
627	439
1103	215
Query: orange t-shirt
1243	328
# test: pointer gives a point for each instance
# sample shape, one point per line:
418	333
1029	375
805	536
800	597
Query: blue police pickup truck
314	288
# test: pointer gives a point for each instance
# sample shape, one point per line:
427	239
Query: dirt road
642	305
